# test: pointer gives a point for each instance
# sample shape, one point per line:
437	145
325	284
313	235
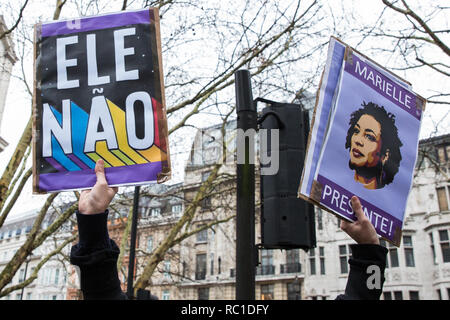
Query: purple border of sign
413	110
95	23
376	216
86	178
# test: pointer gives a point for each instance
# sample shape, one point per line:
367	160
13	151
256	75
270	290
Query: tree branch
17	21
412	14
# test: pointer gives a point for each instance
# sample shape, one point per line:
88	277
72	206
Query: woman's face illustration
366	142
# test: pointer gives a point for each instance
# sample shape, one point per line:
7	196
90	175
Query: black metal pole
24	278
130	292
245	216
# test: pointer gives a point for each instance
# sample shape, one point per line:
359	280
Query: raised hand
361	230
97	199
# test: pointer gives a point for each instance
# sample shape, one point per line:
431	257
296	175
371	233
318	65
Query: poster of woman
370	147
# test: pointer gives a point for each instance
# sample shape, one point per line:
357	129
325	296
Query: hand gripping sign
99	94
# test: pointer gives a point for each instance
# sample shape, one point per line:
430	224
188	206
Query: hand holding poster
363	141
99	94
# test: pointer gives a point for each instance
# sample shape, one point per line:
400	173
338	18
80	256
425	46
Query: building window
155	212
442	198
448	293
211	259
292	262
205	176
266	257
432	247
18	232
445	245
56	276
344	255
398	295
312	261
29	295
149	243
266	266
439	294
166	295
200	266
203	293
202	236
443	153
392	259
18	296
206	203
414	295
319	219
409	251
322	259
144	212
293	291
267	292
21	275
166	269
176	208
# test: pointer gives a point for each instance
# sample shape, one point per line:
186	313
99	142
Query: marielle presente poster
99	94
363	141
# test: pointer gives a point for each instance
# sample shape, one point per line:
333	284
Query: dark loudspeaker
287	222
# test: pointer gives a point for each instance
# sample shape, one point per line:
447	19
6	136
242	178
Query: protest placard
99	94
364	141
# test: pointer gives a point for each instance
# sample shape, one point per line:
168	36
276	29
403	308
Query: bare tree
203	44
412	39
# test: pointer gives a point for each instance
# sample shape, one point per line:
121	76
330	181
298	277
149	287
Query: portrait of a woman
374	146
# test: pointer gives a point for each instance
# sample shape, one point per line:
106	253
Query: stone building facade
51	282
7	60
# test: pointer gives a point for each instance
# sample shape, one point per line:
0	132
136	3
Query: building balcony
265	270
291	267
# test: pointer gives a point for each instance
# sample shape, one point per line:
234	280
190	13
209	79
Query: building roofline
438	139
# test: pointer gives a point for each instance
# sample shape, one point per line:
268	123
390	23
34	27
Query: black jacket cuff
369	254
93	230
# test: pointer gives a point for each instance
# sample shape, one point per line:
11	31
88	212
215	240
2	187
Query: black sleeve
96	256
366	277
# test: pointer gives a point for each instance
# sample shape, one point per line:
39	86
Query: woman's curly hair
389	137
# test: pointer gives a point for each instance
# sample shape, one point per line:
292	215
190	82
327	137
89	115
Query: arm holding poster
96	254
366	278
